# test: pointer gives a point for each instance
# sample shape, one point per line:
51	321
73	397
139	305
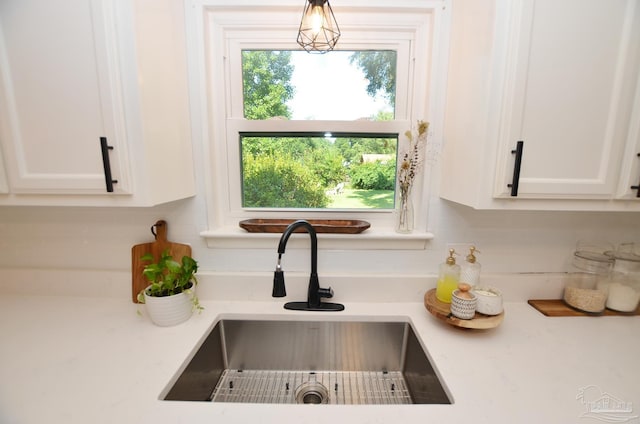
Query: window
318	171
340	85
326	170
273	110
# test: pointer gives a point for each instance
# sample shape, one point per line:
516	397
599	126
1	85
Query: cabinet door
569	97
629	187
57	96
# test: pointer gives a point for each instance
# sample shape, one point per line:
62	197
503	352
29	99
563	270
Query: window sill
371	239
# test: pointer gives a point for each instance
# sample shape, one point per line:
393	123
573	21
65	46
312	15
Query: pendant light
319	30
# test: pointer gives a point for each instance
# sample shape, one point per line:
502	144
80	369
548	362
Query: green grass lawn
369	199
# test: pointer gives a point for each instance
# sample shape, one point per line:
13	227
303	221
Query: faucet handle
327	293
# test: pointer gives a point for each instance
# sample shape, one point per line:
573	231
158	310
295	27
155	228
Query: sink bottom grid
342	387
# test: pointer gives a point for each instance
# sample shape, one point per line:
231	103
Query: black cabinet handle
637	187
516	168
107	164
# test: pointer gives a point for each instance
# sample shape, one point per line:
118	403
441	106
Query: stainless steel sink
333	362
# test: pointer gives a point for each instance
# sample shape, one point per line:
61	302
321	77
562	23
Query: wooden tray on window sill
340	226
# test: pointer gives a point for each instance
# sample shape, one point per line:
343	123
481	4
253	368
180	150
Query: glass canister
586	278
624	284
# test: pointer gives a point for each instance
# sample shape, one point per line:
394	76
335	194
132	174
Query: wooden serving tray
442	311
340	226
558	308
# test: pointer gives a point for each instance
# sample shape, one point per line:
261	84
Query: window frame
226	31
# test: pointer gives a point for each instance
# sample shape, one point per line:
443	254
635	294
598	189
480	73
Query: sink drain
312	392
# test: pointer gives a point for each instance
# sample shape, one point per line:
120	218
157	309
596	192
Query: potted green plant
170	297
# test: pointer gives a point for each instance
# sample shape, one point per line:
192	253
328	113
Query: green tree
328	164
296	147
380	69
373	176
352	149
266	77
279	181
383	116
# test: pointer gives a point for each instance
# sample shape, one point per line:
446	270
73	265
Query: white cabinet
561	78
75	72
629	186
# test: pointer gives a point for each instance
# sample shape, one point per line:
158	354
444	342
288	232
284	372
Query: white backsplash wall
101	239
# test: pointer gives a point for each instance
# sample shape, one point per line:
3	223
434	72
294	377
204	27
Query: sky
338	89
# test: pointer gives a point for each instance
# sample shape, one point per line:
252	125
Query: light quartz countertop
88	359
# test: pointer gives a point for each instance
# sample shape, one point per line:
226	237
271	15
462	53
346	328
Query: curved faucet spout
314	293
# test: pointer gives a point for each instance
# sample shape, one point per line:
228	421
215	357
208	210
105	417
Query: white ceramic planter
170	310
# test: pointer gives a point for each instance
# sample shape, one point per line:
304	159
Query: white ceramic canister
489	300
463	302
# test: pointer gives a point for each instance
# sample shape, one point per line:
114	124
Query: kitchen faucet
314	293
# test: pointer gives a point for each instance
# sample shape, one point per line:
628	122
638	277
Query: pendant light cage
319	31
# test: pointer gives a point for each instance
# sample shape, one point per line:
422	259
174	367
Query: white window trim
219	28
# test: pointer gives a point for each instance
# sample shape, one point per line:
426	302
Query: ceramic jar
463	306
489	300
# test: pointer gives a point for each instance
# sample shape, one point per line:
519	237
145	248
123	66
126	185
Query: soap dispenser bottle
448	278
470	269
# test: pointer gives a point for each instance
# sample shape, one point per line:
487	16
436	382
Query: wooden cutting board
557	308
156	248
